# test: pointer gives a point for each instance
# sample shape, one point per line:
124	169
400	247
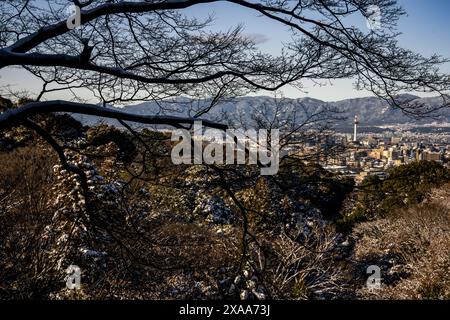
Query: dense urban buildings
371	153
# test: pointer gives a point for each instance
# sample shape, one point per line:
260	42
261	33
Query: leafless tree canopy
149	50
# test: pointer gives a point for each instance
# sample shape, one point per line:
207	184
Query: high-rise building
355	123
432	156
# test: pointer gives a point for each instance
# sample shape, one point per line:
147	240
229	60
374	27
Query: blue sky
425	29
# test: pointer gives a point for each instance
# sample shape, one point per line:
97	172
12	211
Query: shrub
5	104
25	181
62	125
406	185
104	134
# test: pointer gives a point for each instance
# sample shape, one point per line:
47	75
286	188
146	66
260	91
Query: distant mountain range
371	111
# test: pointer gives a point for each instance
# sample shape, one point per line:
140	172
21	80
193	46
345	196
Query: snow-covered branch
13	117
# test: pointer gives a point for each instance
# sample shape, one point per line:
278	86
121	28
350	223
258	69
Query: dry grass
412	248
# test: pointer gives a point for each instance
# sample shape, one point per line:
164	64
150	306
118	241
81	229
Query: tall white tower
355	123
